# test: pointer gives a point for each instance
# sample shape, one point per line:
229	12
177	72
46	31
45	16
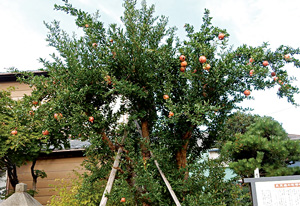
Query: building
9	80
60	164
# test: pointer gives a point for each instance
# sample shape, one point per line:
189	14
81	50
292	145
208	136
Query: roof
12	77
76	149
294	136
77	144
20	198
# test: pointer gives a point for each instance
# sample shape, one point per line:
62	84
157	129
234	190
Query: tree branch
108	142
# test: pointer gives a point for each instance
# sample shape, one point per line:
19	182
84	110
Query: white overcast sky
252	22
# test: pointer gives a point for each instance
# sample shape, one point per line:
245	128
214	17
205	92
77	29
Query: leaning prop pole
166	182
112	174
161	173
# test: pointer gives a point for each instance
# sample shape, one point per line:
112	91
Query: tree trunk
181	156
146	138
34	176
145	153
11	172
182	153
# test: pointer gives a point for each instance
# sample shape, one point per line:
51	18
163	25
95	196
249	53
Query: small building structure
20	198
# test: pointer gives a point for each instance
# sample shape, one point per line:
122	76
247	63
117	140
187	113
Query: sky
23	34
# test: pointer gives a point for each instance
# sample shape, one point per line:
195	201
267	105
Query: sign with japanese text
278	193
275	191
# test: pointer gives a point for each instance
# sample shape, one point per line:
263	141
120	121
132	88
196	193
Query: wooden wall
10	80
58	165
55	168
20	89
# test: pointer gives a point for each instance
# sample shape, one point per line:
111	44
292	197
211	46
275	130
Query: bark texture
181	156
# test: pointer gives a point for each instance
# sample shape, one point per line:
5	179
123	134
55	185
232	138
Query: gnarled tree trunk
146	138
182	152
145	151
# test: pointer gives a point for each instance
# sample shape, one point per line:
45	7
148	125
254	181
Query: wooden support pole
112	174
167	183
161	173
111	178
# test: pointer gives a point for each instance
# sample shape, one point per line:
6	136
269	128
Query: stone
20	198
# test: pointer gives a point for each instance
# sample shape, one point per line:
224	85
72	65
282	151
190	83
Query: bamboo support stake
112	175
161	173
167	183
111	178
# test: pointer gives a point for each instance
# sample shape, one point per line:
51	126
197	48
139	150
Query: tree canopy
143	73
20	137
262	143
